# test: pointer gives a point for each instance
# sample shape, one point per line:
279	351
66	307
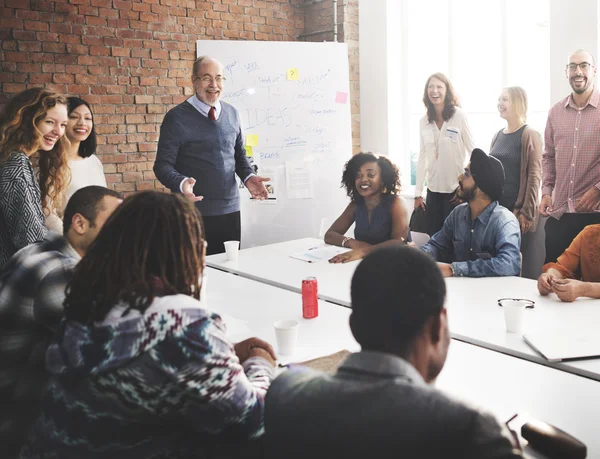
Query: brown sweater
581	260
531	175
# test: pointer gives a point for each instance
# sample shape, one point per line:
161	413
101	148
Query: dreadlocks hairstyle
19	132
390	175
450	101
152	245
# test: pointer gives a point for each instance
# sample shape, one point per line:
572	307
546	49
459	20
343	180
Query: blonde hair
518	99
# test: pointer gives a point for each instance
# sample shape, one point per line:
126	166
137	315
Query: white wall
573	25
374	95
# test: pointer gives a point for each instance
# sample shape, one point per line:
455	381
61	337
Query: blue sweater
212	152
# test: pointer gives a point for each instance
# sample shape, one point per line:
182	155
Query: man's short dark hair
394	291
86	201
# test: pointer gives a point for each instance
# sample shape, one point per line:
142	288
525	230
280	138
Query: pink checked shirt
571	159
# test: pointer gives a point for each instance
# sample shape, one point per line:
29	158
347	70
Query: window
482	46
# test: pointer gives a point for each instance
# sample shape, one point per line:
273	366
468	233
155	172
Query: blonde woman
519	149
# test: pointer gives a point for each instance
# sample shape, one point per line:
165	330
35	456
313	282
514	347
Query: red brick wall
131	60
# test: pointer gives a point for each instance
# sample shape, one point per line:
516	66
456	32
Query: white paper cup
286	332
232	249
514	315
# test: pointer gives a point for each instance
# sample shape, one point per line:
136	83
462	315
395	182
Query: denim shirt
485	247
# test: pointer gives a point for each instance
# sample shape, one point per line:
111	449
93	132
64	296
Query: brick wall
131	60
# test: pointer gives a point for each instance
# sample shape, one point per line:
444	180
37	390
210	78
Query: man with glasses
200	151
571	159
480	238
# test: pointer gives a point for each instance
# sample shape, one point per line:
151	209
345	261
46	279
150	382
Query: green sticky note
252	140
292	74
249	151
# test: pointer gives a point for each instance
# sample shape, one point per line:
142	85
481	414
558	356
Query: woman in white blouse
86	168
446	144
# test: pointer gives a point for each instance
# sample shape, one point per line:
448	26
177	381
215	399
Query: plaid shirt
32	292
571	159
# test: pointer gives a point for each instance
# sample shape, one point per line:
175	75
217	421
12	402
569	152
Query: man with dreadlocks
140	368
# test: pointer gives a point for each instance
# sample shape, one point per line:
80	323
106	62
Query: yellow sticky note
249	151
292	74
252	140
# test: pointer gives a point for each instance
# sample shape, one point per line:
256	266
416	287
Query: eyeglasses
583	66
467	172
529	304
209	80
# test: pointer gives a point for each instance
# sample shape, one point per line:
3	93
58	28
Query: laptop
556	347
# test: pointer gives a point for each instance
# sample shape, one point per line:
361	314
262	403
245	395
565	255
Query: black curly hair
390	175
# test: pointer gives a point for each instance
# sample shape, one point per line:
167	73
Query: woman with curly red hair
33	121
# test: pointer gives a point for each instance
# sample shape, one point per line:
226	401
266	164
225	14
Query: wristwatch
451	269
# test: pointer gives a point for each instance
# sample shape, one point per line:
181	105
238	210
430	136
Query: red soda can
310	298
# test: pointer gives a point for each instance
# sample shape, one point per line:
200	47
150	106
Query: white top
85	172
443	153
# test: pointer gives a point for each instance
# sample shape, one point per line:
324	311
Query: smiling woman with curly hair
372	182
34	121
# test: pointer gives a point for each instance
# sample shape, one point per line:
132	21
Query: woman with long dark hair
86	168
34	121
140	367
446	144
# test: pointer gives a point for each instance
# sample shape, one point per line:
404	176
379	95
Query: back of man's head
87	202
395	290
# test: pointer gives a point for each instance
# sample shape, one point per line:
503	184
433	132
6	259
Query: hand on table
568	290
446	269
546	205
589	201
254	347
347	257
545	282
188	190
257	188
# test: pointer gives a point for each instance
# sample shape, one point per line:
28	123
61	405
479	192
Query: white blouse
85	172
443	153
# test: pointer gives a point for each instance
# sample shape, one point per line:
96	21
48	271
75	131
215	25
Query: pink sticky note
341	97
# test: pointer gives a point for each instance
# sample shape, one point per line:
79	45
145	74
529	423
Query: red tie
211	114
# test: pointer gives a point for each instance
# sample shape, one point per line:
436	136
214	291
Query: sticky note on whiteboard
292	74
341	97
249	152
252	140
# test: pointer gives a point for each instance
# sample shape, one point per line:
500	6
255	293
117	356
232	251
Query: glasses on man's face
209	80
583	66
467	172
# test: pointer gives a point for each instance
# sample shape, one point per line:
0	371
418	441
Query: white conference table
473	311
502	384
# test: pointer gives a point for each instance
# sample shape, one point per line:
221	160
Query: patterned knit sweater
165	384
21	217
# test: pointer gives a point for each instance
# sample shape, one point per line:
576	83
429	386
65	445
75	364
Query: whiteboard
293	100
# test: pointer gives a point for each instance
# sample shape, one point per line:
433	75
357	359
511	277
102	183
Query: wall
130	59
318	22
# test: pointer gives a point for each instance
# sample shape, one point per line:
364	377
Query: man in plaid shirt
32	291
571	159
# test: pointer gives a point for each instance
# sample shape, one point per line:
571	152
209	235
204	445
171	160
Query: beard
581	90
466	194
